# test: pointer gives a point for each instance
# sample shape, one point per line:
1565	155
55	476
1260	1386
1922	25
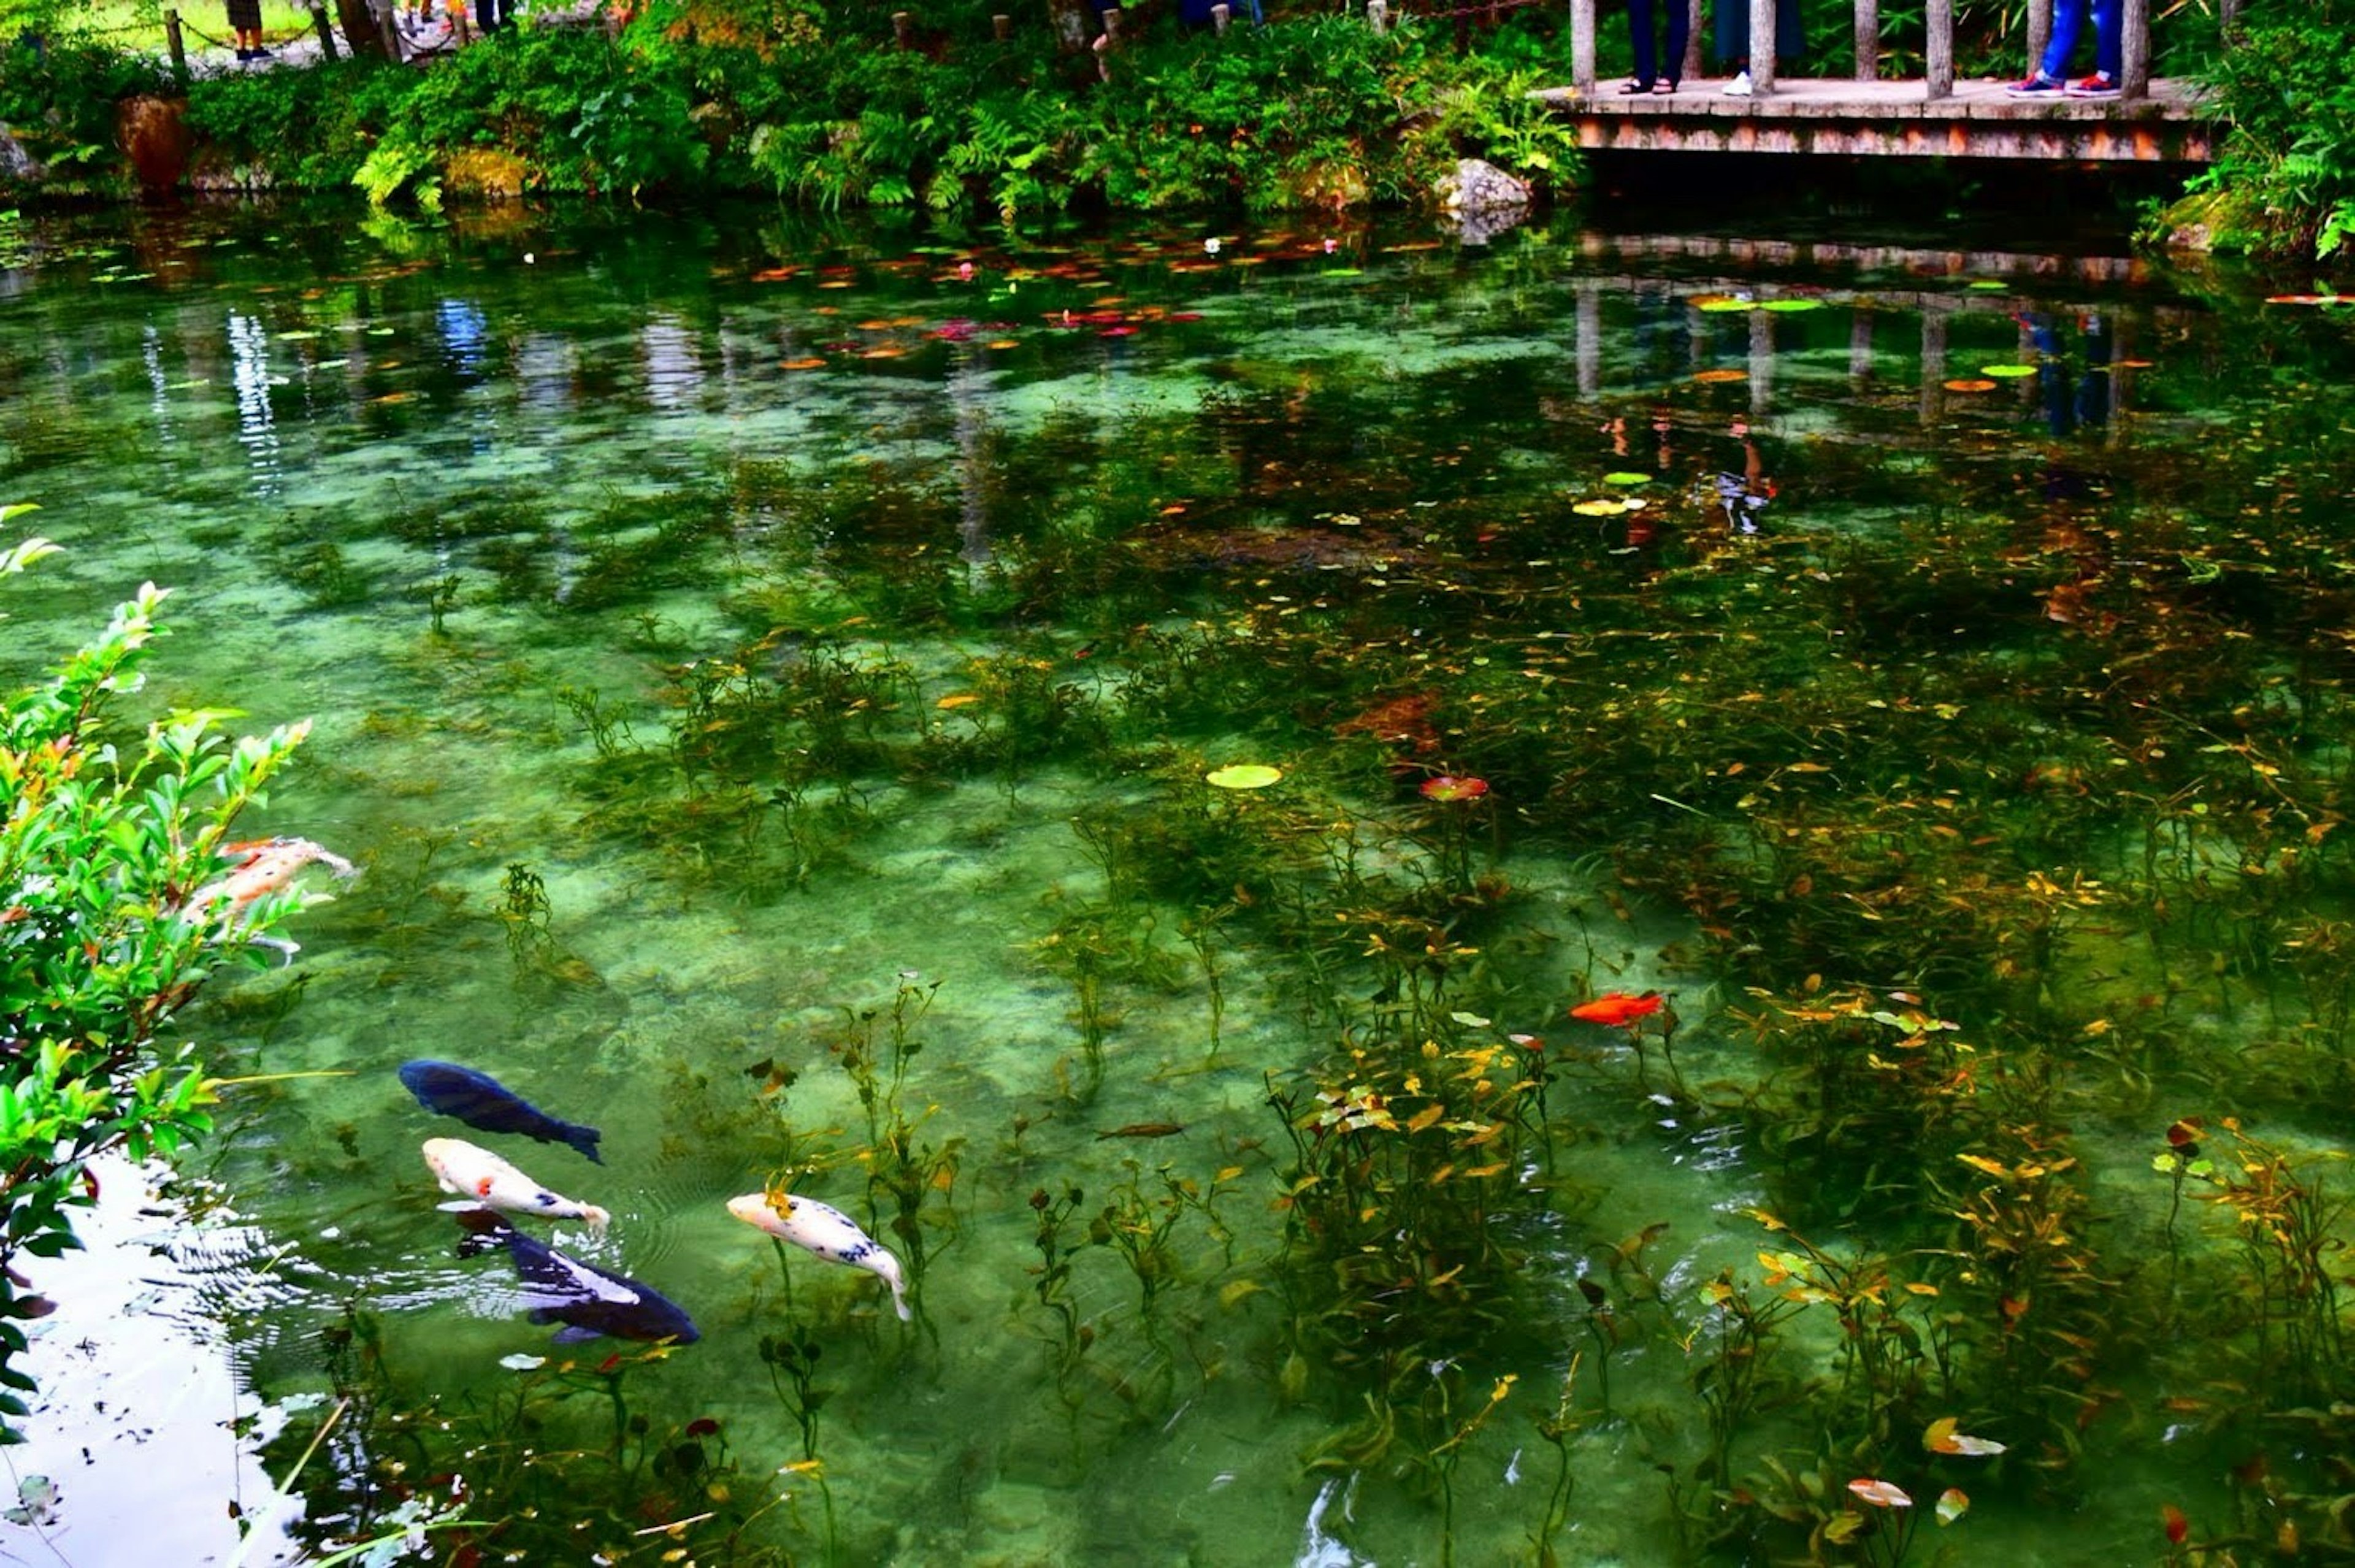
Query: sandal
1633	89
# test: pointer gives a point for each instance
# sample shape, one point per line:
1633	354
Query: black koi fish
588	1300
481	1101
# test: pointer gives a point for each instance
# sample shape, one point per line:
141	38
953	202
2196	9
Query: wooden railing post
901	24
1582	47
178	47
1762	47
1695	19
326	33
1001	26
1868	39
2040	33
1940	82
2134	48
1378	15
2228	17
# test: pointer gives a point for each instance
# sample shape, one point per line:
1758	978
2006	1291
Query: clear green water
782	599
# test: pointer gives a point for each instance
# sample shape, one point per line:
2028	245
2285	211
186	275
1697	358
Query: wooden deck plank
1896	119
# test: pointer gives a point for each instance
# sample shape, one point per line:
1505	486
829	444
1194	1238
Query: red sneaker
2097	85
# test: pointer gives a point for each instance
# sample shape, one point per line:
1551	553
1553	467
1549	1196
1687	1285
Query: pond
1111	759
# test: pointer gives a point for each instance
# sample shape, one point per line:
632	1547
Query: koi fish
477	1173
588	1300
1617	1008
260	866
481	1101
826	1230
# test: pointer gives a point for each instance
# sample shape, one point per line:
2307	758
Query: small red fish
1617	1008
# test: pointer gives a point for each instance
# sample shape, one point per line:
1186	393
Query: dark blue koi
481	1101
588	1300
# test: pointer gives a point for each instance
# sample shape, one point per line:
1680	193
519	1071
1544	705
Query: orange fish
1617	1008
263	865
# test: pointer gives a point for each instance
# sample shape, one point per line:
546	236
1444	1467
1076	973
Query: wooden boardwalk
1895	119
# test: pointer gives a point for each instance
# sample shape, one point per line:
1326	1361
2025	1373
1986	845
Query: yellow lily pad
1626	477
1243	775
2007	372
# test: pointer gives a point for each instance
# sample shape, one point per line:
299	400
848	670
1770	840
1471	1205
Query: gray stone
1479	186
15	164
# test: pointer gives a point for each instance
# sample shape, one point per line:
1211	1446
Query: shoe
2038	85
1739	87
1667	87
2097	85
1633	89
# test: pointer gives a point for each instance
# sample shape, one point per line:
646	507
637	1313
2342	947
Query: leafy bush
59	95
2283	182
101	843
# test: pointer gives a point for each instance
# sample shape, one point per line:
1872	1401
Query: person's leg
1679	37
1642	33
2108	54
2068	20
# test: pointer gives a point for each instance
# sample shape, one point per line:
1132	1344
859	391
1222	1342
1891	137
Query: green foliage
2286	169
582	113
57	97
101	846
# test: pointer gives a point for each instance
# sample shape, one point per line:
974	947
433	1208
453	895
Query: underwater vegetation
1376	934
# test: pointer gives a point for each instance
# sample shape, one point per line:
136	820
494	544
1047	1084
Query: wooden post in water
1378	17
1860	345
172	41
1762	46
1868	39
1219	16
1582	47
1939	79
2040	33
900	22
1589	340
327	32
1002	25
2134	48
1933	363
1762	362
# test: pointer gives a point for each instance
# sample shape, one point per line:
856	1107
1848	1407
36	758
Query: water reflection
755	546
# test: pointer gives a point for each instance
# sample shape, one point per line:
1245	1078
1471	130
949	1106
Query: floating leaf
1881	1494
958	699
809	364
1599	508
1989	286
2007	372
1973	384
1952	1505
2172	1520
1243	775
1448	787
1942	1438
1711	377
1791	307
520	1362
1626	477
1723	304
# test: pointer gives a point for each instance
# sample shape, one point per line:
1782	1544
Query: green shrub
102	841
2287	169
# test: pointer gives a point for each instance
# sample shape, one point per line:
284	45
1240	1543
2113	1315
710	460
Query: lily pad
2007	372
1970	385
1709	377
1721	307
1989	285
1604	508
1792	308
1243	775
1626	477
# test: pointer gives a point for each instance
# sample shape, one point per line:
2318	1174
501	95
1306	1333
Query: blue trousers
1643	32
2068	21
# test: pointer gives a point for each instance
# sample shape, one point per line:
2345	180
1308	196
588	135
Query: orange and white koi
262	866
476	1173
822	1228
